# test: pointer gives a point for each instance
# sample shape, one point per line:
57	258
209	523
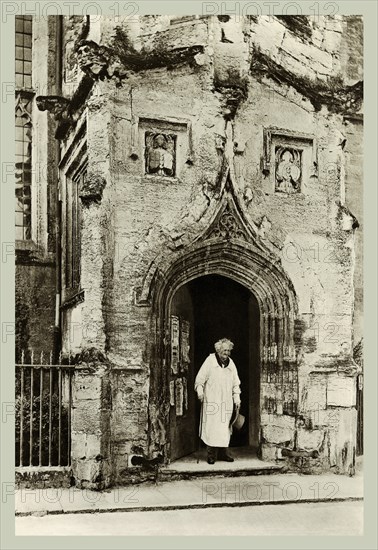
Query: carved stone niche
162	145
289	161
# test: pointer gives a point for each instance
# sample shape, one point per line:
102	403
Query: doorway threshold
245	463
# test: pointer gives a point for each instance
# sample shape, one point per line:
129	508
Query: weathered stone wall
354	200
220	85
352	53
34	310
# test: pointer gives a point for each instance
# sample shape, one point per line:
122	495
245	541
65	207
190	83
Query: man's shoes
211	454
226	458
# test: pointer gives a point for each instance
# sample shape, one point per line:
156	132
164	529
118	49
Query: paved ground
202	492
335	518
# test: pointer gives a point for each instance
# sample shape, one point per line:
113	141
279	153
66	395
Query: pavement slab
316	519
202	492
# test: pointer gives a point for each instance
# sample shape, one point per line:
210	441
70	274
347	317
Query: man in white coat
218	388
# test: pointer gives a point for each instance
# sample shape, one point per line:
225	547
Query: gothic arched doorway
259	274
204	310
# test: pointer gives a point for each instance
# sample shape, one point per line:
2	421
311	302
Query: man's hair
223	342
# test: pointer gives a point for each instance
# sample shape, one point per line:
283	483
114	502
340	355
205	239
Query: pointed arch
264	277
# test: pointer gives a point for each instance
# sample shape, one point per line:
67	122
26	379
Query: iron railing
43	412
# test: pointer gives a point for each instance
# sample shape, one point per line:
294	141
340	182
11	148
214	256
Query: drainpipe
58	227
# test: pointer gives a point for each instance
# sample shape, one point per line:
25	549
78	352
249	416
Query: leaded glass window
24	127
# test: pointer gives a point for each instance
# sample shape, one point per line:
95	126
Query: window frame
24	96
71	228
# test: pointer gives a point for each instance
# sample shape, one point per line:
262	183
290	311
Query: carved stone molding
284	135
231	224
142	295
228	227
289	160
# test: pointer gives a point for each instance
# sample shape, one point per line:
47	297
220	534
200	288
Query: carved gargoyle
99	62
93	59
56	105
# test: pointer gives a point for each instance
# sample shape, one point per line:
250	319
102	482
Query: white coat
220	388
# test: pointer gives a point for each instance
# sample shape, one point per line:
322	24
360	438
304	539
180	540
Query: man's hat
237	420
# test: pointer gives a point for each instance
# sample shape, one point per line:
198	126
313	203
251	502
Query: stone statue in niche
160	154
288	170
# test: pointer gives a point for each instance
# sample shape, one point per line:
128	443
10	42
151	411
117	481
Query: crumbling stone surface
278	429
34	309
90	427
30	477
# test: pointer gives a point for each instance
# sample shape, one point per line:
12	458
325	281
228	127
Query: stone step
195	465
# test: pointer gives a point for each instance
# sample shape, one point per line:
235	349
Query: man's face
224	352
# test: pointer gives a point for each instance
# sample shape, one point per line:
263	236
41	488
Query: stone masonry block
277	434
86	445
269	452
342	442
86	470
86	386
86	416
277	428
315	393
309	439
341	391
325	417
78	446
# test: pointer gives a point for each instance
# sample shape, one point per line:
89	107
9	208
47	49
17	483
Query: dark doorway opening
219	307
225	309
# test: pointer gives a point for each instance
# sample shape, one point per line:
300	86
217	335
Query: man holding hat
218	388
